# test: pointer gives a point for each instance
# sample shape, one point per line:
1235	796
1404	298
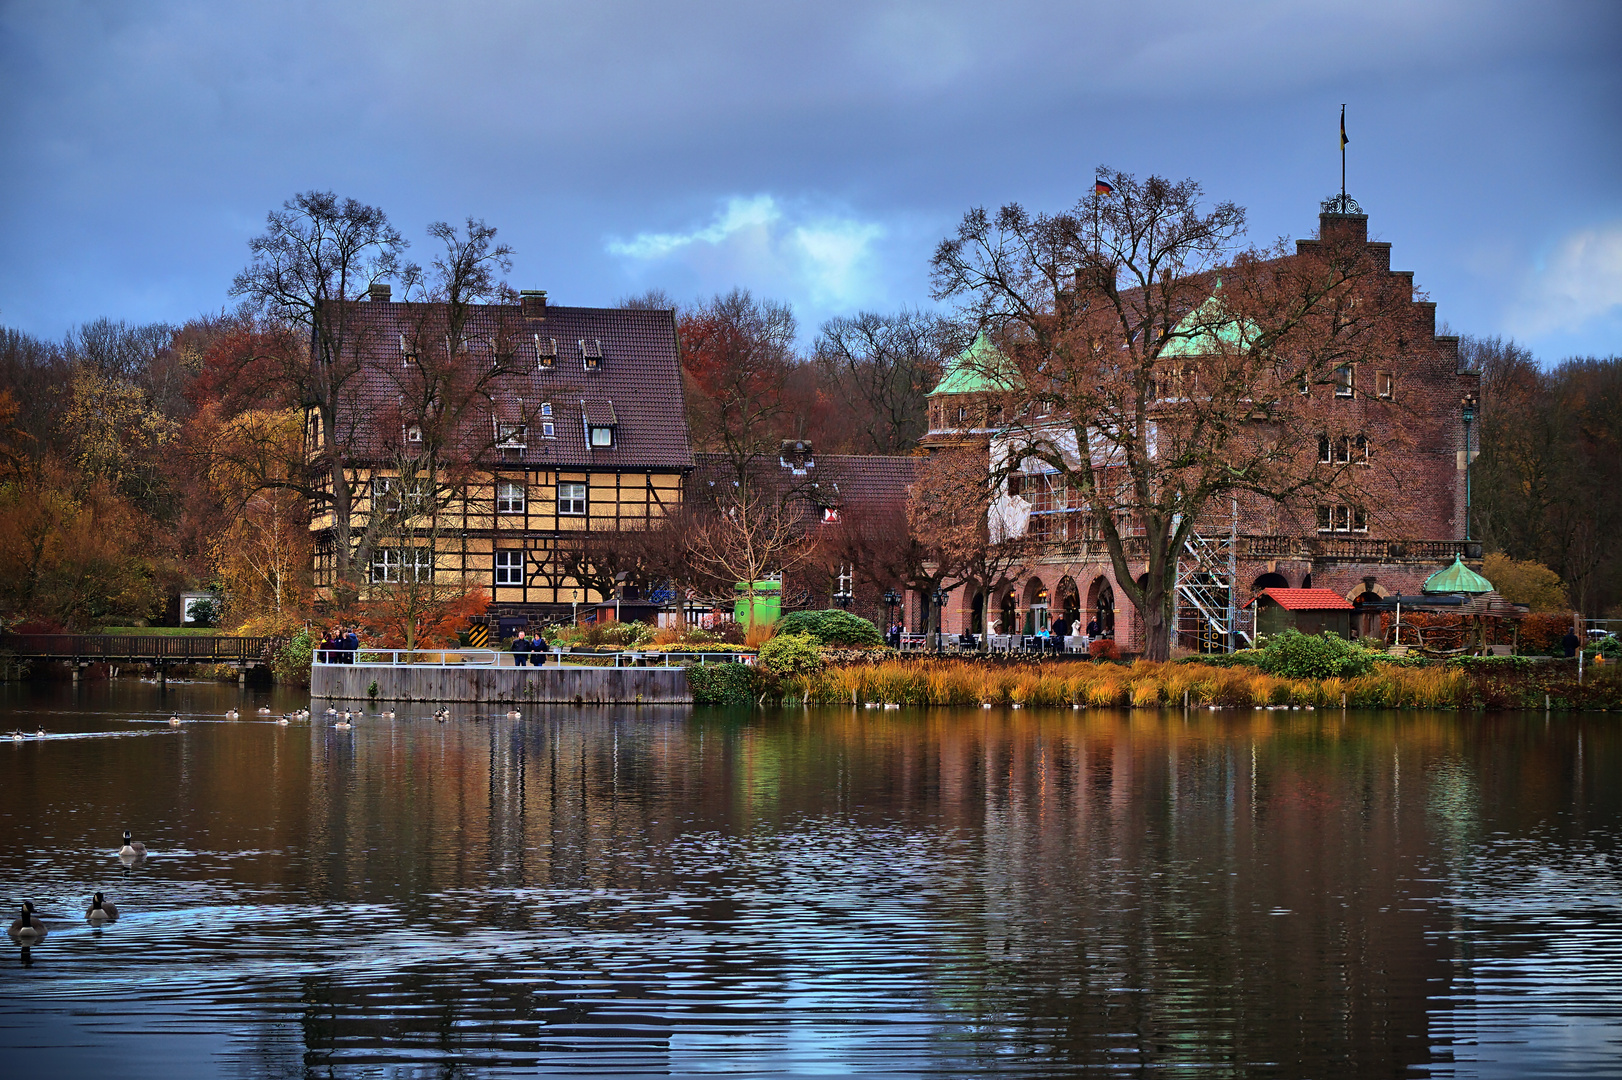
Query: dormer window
546	352
408	356
413	434
602	436
591	353
511	436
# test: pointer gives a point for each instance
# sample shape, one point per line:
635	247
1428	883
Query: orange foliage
402	619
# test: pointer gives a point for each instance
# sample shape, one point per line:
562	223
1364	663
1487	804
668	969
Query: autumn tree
1156	368
738	352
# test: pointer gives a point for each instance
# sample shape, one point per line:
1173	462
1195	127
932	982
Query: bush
1295	655
292	661
723	684
789	655
1541	634
831	627
1104	649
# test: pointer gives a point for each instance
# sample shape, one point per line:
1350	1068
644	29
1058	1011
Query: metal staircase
1207	598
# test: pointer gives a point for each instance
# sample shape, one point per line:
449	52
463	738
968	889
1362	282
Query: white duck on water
28	927
101	910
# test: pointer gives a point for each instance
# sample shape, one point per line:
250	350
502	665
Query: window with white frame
402	564
1336	518
413	434
510	496
572	499
1344	381
602	436
510	567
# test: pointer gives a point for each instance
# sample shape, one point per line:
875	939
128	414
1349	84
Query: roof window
591	353
546	351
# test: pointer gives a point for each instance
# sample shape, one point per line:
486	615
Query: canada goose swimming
343	723
263	711
442	714
101	910
27	926
389	715
17	736
40	734
514	714
348	715
231	714
131	849
332	711
174	721
282	720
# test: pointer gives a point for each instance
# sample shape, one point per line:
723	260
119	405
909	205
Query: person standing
1572	643
521	648
351	645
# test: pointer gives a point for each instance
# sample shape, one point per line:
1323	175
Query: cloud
821	260
1579	282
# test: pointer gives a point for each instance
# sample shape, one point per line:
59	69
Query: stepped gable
635	384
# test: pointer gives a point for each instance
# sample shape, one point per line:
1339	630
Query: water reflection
817	890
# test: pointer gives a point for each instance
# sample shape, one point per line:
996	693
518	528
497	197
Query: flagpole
1343	155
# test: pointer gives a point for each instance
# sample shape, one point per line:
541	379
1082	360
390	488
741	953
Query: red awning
1307	599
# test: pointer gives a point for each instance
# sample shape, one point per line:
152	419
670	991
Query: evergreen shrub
1295	655
789	655
723	684
831	627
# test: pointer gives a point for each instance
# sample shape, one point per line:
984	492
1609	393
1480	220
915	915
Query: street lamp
892	600
1468	404
940	611
843	599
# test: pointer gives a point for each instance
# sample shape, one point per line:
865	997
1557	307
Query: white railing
498	658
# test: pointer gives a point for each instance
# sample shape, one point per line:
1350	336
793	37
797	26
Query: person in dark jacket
351	644
1572	643
521	649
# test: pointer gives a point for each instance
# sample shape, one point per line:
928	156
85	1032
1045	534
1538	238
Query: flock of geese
342	719
28	928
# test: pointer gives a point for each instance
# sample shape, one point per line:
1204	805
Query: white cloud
820	260
1580	281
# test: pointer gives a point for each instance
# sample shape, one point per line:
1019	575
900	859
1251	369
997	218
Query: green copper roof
1457	578
978	369
1196	326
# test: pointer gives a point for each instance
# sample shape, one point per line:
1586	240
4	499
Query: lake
903	892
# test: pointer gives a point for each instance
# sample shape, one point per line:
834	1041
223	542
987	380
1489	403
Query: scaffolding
1209	618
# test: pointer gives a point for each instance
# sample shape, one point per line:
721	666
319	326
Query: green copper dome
1194	335
979	369
1457	578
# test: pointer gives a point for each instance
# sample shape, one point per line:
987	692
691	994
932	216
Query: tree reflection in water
811	890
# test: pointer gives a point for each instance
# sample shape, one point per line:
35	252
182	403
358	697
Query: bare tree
747	536
317	255
1155	367
883	366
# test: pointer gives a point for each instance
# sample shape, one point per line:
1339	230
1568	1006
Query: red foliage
1542	633
1104	649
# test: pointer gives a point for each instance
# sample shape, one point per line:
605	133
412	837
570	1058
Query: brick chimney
532	302
379	292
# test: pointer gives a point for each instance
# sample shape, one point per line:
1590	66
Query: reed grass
1143	685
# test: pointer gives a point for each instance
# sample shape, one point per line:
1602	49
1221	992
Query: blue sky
815	152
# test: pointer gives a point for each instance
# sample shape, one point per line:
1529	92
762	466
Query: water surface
644	891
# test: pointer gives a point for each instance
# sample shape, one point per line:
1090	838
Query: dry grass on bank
1142	685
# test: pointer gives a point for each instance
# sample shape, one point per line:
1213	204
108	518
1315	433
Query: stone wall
547	685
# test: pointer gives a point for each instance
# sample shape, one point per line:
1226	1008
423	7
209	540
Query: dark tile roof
636	386
829	480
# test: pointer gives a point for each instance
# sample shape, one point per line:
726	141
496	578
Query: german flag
1343	139
1101	188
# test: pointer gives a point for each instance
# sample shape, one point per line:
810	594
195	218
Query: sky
813	153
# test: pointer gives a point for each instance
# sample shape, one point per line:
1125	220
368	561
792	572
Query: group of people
338	647
523	645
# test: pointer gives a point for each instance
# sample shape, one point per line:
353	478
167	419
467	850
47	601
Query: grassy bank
1151	685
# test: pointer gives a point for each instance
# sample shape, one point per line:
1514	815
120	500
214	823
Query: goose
27	926
343	723
40	734
17	736
348	715
283	719
263	711
101	910
389	715
174	721
231	714
332	711
514	714
131	849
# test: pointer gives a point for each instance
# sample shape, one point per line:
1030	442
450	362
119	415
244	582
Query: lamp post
1468	404
843	599
892	600
940	612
